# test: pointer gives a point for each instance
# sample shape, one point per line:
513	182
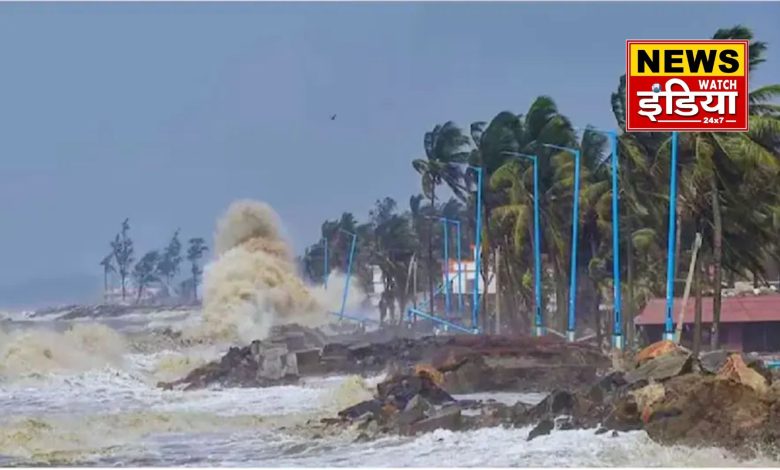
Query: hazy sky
165	113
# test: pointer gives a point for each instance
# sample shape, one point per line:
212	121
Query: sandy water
111	413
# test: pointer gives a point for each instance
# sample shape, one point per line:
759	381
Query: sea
84	393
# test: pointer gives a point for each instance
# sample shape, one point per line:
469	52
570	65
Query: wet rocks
460	364
475	364
406	404
708	410
544	428
445	418
662	367
261	364
675	400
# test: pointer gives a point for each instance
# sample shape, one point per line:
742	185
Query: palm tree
715	167
542	124
108	268
444	154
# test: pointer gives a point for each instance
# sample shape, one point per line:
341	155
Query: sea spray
253	284
353	389
39	351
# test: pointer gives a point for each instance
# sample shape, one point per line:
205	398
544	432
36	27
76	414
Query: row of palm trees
728	192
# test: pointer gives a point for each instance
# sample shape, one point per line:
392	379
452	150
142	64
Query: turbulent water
104	409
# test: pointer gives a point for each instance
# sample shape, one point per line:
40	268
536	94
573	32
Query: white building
467	270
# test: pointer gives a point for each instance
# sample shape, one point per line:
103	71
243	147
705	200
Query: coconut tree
715	168
108	268
445	151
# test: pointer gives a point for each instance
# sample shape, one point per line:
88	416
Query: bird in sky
333	117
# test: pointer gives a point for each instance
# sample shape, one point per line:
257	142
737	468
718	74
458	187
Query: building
749	323
469	274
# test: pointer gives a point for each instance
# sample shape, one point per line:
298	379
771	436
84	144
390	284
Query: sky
165	113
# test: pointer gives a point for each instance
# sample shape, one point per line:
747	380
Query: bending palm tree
444	152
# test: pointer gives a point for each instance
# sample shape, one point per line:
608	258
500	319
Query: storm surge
37	351
253	283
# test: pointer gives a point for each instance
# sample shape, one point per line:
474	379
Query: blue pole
349	274
326	266
477	253
538	319
574	235
448	324
617	297
460	271
537	254
445	226
670	262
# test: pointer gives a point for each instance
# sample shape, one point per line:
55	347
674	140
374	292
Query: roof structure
742	309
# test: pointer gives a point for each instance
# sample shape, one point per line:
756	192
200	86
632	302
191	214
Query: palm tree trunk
560	290
485	255
717	247
497	271
105	286
698	307
628	315
597	296
677	242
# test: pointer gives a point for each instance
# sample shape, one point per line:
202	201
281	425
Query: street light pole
456	223
538	319
570	331
446	268
477	252
460	270
617	301
617	297
670	261
349	271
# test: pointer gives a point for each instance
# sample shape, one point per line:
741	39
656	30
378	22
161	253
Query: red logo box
687	85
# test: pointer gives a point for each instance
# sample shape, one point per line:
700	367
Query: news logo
687	85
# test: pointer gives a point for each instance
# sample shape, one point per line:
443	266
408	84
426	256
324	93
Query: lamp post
349	271
617	300
538	319
456	223
570	331
477	252
446	268
670	262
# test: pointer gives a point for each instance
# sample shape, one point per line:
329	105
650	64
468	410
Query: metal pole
537	255
617	338
570	332
477	253
538	329
670	261
326	266
349	274
460	271
446	268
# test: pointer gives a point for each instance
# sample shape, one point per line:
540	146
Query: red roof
757	308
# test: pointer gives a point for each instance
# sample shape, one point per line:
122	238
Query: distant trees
146	271
168	266
122	248
108	268
155	268
195	252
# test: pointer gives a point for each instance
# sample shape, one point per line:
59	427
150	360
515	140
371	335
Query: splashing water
37	351
253	283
